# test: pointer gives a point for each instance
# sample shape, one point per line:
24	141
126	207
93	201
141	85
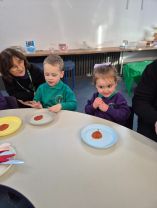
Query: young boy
54	94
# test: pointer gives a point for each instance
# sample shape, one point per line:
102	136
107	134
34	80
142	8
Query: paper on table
5	168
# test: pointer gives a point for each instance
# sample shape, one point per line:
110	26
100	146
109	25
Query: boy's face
106	86
52	74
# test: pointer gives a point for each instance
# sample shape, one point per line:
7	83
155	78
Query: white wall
105	22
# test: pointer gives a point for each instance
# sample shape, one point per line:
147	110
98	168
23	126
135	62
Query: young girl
54	94
107	103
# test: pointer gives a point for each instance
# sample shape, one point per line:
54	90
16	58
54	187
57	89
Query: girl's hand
97	102
55	108
103	107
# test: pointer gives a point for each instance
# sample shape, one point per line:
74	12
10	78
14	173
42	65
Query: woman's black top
23	88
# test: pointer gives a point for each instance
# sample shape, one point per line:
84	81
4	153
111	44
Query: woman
145	102
20	78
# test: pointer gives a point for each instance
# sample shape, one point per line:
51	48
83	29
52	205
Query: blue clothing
117	112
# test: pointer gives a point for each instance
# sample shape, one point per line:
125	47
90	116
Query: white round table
62	171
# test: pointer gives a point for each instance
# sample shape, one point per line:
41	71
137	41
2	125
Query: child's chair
69	71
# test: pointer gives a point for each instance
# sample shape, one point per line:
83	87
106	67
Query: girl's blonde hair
103	71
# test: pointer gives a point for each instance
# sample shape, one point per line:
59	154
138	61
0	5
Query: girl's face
18	68
52	74
106	86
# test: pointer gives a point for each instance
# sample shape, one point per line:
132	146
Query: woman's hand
97	102
55	108
32	104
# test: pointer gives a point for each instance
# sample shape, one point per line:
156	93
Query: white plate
47	117
109	137
5	168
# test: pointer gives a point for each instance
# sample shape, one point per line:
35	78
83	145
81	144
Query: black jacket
14	89
145	101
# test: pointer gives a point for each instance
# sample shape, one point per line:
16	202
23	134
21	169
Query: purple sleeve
3	103
89	106
121	111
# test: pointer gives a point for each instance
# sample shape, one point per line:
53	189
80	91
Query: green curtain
132	73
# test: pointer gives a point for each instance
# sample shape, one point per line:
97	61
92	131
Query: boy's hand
103	107
55	108
97	102
37	105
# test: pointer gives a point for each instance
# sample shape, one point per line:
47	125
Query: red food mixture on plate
39	117
3	127
96	135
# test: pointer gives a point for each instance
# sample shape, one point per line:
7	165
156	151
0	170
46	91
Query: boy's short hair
105	70
54	60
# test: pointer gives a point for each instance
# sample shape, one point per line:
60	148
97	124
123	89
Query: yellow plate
13	122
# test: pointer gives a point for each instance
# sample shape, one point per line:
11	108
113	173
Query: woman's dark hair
6	61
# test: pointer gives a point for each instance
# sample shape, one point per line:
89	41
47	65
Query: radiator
84	64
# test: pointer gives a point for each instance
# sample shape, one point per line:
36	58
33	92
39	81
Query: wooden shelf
39	53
